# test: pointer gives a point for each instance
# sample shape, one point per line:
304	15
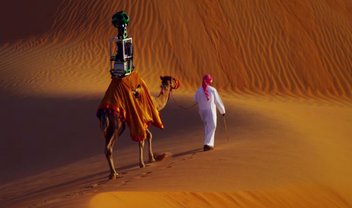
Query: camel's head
168	82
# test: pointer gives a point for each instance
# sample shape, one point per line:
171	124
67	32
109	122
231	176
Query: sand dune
284	69
276	47
272	158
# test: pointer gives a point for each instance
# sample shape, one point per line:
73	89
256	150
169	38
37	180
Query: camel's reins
180	106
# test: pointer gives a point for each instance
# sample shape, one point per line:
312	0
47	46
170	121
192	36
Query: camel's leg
109	143
113	131
104	122
149	138
141	159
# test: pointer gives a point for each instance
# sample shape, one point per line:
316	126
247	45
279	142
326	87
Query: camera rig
121	50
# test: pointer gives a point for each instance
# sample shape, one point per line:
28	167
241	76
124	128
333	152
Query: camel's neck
161	100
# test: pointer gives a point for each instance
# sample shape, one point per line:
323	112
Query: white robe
207	112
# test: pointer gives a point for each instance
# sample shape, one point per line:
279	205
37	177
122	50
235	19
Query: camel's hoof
142	165
151	160
113	176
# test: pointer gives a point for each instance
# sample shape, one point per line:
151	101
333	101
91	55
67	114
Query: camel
113	127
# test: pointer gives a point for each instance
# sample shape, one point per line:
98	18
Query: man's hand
223	114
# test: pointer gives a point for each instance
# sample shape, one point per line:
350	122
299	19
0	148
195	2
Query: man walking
208	99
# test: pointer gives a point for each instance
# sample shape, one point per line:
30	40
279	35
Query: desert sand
282	67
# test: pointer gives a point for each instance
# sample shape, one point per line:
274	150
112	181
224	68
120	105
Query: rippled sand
284	69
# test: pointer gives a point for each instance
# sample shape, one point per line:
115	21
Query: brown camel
113	127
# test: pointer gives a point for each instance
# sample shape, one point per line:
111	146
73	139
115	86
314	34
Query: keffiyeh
207	80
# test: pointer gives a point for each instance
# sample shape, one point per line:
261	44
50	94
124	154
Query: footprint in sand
91	186
189	157
170	165
142	175
72	195
40	204
124	182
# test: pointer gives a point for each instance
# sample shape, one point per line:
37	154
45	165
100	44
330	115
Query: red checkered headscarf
207	80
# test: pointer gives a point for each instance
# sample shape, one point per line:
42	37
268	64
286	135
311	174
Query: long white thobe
207	112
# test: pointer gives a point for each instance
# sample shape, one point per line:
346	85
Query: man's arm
195	97
218	102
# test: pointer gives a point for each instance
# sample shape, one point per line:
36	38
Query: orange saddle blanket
129	98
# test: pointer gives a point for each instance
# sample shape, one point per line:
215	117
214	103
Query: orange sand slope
283	67
278	47
259	199
273	154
